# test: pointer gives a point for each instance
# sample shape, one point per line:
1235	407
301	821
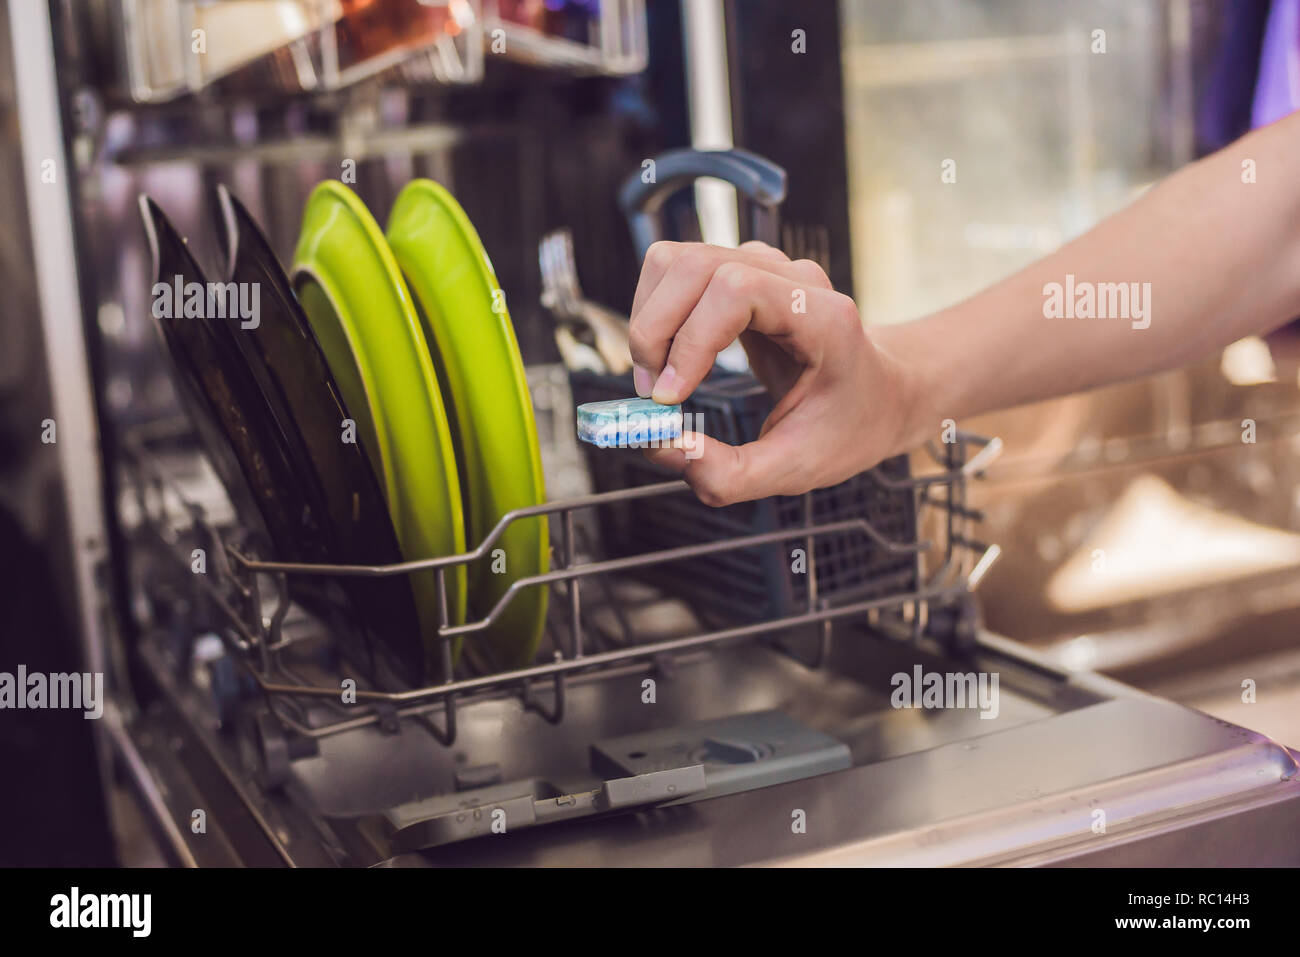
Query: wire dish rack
251	595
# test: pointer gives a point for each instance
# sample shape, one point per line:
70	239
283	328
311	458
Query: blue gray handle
759	180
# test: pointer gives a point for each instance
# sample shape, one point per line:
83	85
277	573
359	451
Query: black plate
172	259
237	426
284	358
226	406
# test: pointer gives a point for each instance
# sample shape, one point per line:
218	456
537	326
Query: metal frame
258	642
314	54
621	47
54	251
704	42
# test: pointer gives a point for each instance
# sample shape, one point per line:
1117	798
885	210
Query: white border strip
49	214
708	87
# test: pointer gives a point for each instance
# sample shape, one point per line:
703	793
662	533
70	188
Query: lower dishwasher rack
252	602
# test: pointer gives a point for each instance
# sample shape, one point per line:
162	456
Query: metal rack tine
554	714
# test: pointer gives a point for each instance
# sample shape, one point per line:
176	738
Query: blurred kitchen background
1139	534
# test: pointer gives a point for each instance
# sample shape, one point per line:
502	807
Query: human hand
842	403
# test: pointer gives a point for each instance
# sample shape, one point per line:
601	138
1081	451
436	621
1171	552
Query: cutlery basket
769	580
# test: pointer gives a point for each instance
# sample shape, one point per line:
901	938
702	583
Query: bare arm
1222	258
1213	258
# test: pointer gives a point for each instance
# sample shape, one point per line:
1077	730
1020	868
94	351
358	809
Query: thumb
722	474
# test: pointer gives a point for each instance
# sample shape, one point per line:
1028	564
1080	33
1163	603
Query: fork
562	295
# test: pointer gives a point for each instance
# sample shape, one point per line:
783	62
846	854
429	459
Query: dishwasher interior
801	681
650	732
637	699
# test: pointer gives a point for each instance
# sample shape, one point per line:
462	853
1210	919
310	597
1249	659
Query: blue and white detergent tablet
628	423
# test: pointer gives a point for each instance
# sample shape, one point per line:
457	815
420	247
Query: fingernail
641	379
665	390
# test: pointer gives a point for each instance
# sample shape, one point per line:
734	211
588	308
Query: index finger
662	254
668	294
738	297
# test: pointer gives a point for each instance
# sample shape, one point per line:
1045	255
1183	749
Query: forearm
1221	257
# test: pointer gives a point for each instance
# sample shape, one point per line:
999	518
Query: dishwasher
801	681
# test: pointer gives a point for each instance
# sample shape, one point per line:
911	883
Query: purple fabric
1277	91
1223	112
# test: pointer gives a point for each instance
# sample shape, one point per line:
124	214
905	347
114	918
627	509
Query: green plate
354	296
482	373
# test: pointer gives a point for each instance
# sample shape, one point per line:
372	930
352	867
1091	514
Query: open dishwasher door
1063	769
1121	779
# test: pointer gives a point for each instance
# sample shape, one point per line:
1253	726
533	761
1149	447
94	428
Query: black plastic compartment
747	585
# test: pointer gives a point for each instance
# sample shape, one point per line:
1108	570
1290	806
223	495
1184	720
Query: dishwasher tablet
629	423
